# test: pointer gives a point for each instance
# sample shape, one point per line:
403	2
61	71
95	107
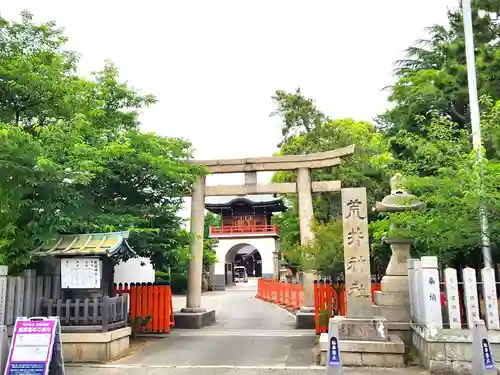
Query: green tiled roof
96	244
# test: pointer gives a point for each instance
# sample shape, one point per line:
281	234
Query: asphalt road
250	337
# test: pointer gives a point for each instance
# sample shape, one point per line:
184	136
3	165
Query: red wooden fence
283	294
150	299
329	300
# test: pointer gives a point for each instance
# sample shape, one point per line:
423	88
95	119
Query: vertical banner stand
36	347
333	364
482	357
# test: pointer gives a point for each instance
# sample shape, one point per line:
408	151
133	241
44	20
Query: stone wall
96	347
450	352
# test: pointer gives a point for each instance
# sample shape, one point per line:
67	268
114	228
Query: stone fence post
470	293
452	298
4	270
433	319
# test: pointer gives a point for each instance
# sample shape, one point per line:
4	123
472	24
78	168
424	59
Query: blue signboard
26	368
487	358
334	359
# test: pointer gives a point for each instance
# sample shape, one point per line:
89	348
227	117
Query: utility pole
475	123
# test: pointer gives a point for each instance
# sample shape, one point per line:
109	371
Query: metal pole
475	122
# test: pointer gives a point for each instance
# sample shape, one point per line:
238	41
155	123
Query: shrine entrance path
251	337
247	332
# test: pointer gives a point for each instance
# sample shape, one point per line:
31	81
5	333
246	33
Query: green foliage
426	136
370	166
72	157
299	114
209	256
433	77
161	276
138	324
178	282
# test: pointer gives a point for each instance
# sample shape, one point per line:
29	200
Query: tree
87	166
429	132
449	226
298	113
209	256
432	80
370	166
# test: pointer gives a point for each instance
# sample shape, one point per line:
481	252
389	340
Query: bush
161	276
178	283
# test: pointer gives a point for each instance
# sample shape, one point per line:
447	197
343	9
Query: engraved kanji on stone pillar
356	253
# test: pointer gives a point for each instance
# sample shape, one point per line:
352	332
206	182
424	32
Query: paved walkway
248	332
251	337
206	370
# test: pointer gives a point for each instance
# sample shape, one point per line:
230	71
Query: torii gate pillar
305	317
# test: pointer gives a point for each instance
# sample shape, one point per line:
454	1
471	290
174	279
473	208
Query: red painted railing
284	294
331	299
150	299
248	229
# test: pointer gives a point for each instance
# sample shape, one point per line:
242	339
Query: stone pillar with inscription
490	298
360	324
392	301
356	253
452	298
471	298
433	320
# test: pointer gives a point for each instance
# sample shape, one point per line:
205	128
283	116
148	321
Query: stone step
365	353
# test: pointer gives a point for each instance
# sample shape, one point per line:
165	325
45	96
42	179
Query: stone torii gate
194	315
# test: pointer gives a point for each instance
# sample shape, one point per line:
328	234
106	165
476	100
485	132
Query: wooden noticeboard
80	273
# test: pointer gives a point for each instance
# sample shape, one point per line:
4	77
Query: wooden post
105	313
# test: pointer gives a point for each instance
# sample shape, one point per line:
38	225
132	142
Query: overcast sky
214	64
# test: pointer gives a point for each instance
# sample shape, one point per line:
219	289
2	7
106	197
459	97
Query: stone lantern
393	298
